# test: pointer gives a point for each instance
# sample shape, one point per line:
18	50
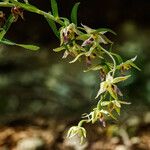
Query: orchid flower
109	85
67	33
77	130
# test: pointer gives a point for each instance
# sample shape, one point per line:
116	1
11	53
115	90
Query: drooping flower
77	130
128	64
90	41
68	33
109	85
96	35
114	105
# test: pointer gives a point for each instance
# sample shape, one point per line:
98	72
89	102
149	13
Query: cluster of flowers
90	45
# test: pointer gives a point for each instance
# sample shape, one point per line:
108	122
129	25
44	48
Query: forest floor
49	134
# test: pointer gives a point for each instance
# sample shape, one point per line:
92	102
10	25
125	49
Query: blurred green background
41	83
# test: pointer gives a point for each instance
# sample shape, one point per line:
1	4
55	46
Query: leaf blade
6	27
53	26
30	47
74	13
54	7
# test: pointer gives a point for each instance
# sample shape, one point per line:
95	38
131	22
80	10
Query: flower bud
17	11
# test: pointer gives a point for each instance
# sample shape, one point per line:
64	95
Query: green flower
128	64
68	33
95	115
109	85
90	42
94	35
114	104
77	130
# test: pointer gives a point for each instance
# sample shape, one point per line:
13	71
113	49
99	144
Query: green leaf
74	13
6	27
54	8
53	26
30	47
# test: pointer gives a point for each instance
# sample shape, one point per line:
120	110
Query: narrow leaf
74	13
6	26
30	47
54	8
53	26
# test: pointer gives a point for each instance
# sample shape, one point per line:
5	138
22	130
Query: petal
88	29
77	57
101	90
58	49
94	68
133	59
91	50
66	53
119	79
111	92
105	103
117	90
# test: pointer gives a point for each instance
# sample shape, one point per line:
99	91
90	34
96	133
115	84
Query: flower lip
88	41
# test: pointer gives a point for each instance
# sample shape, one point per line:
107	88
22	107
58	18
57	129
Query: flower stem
31	8
109	54
6	4
83	121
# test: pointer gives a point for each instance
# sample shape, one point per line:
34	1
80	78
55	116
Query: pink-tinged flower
128	64
16	12
109	85
68	33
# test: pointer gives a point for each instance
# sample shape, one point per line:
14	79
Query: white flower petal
102	89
